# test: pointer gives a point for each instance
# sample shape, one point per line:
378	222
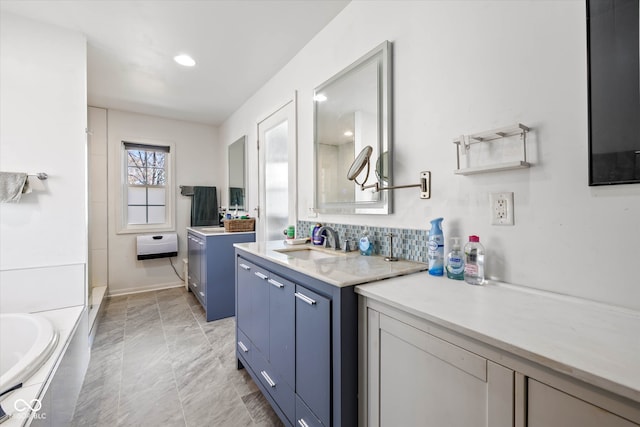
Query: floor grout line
173	370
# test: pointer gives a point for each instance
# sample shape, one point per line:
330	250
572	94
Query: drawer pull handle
260	275
245	267
275	283
195	285
305	298
243	347
268	379
302	423
202	293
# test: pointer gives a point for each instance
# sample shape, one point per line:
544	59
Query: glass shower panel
276	180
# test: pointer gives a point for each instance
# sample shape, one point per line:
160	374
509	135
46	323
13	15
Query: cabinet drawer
275	386
244	346
304	416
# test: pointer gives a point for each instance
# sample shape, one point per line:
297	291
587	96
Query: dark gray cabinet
211	273
313	352
297	337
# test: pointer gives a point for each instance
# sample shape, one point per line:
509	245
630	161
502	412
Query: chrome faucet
334	236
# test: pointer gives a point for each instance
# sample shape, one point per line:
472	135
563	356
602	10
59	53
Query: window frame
123	198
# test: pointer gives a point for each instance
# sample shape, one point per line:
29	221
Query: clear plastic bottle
455	261
474	261
365	244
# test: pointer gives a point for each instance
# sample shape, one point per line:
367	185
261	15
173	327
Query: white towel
12	186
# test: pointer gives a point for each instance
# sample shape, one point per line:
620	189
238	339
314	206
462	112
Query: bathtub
26	342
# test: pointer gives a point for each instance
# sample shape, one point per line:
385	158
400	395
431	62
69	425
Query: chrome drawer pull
305	298
201	293
243	347
302	423
245	266
275	283
268	379
260	275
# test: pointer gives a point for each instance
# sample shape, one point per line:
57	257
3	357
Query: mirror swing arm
363	160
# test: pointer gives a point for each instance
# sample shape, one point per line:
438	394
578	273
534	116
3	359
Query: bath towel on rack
12	186
204	207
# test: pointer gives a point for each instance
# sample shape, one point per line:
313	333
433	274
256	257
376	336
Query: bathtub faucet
3	415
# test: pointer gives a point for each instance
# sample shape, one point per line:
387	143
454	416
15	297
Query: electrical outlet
501	208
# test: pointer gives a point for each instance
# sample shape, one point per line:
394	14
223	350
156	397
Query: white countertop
594	342
343	269
214	231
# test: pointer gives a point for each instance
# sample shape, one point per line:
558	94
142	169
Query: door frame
292	165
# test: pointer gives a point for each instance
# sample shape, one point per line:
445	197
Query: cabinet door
259	299
282	327
416	378
195	260
549	407
243	295
313	352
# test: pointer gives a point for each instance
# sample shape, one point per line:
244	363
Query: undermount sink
309	253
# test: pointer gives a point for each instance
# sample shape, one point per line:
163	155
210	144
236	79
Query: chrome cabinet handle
275	283
245	267
260	275
202	293
268	379
195	285
302	423
305	298
243	347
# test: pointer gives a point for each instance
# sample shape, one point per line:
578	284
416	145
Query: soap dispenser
365	245
455	261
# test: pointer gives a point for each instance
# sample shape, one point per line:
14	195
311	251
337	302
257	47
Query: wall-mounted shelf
466	141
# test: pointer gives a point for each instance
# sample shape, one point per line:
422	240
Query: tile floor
156	362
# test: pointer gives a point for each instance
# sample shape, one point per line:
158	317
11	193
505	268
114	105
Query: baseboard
139	290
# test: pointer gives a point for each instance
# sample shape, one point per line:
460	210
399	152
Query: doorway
277	164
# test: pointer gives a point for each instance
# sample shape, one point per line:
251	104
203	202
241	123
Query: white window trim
121	197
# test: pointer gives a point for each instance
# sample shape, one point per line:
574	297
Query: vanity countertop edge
214	231
343	270
590	341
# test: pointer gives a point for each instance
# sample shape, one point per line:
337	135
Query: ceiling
238	46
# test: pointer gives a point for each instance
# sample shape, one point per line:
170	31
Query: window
146	197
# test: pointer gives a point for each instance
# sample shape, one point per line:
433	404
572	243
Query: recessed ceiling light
320	97
348	133
185	60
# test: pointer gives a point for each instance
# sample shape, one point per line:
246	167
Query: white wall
199	160
464	67
43	116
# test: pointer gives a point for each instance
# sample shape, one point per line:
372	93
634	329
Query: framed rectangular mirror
352	110
236	156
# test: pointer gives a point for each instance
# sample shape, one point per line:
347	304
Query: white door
277	163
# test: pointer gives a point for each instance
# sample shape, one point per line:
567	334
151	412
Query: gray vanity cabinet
297	338
211	271
313	352
282	328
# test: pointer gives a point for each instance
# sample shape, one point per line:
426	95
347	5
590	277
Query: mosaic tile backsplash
407	244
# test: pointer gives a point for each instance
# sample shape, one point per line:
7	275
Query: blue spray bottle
435	251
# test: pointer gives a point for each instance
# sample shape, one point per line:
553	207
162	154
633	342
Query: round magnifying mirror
359	163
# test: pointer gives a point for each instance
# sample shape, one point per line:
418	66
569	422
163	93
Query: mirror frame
384	205
243	140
